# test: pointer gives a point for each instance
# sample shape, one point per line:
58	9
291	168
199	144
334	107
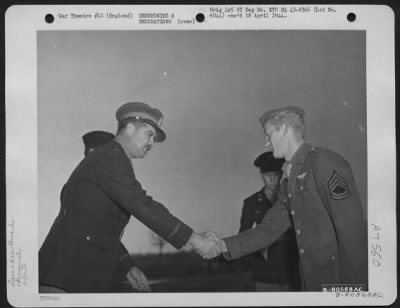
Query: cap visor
160	134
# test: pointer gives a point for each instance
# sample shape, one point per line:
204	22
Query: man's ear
130	129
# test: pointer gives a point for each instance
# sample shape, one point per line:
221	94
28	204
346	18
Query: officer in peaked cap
94	139
102	193
275	268
142	112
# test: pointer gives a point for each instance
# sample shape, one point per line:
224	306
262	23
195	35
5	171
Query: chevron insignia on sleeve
338	187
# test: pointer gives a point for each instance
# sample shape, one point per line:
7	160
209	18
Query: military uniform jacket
281	265
83	249
321	201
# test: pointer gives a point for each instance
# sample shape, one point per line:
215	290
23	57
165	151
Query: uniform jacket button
301	250
289	195
292	212
333	258
298	231
301	187
88	238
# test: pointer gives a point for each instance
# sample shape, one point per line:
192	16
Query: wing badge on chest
338	187
301	176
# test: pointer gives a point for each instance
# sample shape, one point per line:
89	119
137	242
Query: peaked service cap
144	113
266	162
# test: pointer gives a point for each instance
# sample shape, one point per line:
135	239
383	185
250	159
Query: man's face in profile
141	139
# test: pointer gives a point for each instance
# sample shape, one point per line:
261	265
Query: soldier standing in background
274	268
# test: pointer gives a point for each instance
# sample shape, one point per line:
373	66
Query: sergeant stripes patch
338	187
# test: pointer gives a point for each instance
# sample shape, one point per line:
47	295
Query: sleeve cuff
126	262
180	236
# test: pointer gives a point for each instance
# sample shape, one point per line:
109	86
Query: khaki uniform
320	200
280	268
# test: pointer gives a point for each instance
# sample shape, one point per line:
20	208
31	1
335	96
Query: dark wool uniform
320	200
281	266
83	247
91	141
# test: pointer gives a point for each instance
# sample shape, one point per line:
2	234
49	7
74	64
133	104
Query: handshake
207	244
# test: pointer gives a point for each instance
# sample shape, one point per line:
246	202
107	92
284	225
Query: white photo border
22	24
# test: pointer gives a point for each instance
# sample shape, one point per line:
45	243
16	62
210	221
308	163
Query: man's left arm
126	266
337	188
125	260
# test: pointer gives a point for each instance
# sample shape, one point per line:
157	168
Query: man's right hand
207	244
204	246
220	243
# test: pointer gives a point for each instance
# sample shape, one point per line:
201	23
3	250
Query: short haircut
290	118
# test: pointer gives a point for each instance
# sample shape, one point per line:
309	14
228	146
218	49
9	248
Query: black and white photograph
210	155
